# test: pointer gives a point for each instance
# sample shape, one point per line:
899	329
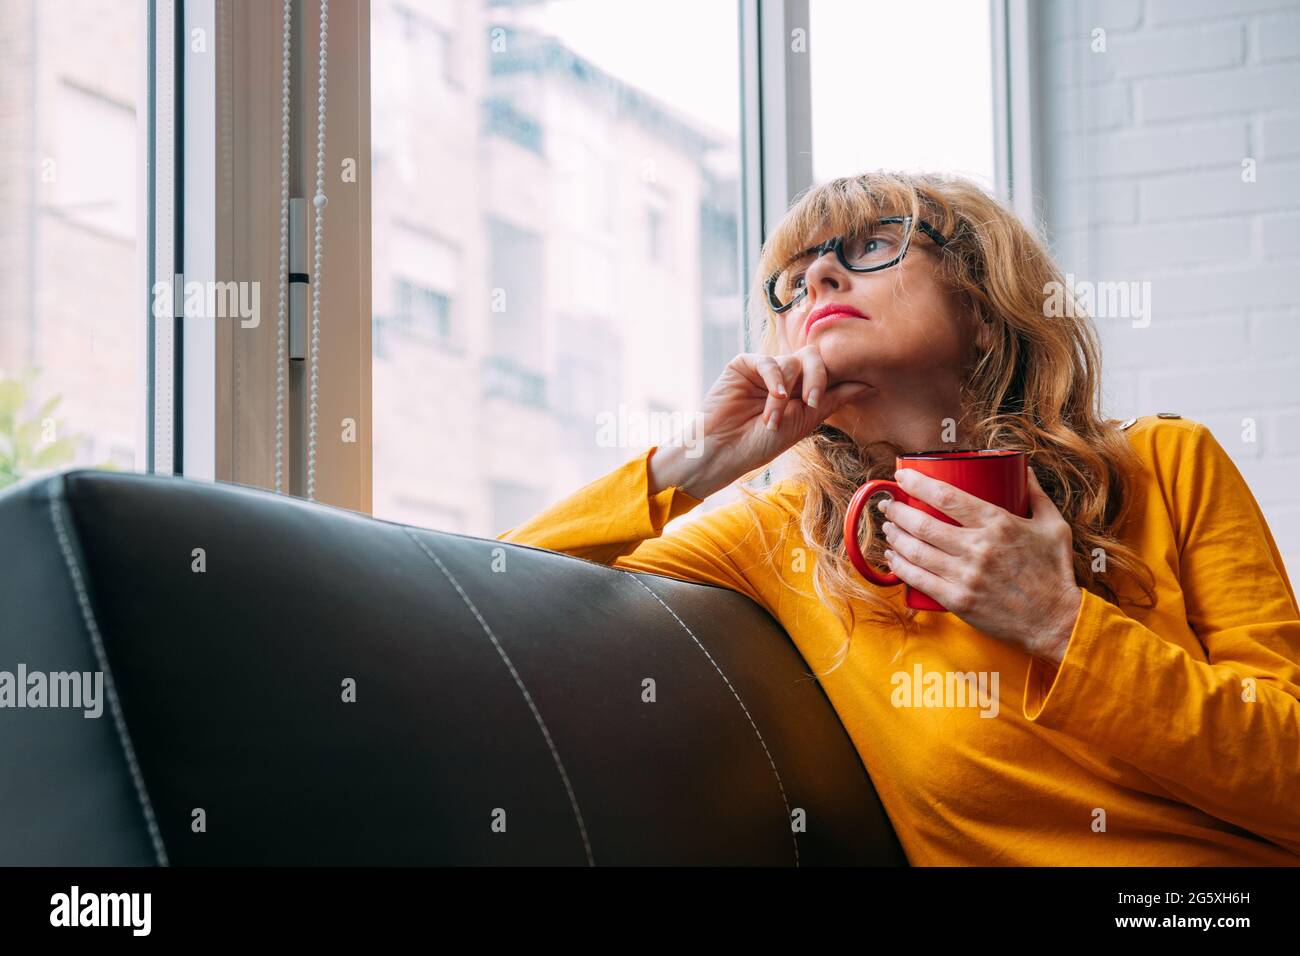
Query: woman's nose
826	271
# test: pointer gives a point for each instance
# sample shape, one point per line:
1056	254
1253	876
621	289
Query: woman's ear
983	333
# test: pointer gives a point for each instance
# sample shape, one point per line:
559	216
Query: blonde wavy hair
1036	388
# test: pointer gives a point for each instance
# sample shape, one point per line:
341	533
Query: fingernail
780	390
812	397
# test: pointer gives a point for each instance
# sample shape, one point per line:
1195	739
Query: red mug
997	475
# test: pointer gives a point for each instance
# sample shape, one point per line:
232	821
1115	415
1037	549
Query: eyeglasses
881	246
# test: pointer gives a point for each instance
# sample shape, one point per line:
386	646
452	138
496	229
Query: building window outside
654	235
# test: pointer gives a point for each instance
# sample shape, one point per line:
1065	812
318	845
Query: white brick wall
1142	180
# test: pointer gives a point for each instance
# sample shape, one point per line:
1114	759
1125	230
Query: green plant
24	451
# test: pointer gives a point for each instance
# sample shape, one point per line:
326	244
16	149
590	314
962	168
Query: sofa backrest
284	682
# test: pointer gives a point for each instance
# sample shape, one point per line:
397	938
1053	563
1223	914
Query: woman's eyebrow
795	258
811	249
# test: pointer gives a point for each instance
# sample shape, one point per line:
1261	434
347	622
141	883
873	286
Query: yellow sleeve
615	521
1219	730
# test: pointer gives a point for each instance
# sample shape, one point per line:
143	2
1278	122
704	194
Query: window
450	67
426	48
72	364
92	168
503	378
890	91
577	201
423	311
420	316
654	235
516	276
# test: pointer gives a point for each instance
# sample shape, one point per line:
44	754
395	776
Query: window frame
159	250
209	409
1017	152
775	127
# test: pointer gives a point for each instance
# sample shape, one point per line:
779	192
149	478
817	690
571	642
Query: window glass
890	91
555	202
72	369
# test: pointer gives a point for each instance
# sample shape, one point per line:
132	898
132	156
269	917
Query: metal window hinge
299	280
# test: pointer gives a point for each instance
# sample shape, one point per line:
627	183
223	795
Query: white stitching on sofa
759	734
88	615
519	682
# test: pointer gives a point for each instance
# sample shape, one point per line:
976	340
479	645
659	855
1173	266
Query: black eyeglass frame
836	245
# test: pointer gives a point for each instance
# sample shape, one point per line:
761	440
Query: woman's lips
830	315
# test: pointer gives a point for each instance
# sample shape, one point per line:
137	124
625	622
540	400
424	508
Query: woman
1141	625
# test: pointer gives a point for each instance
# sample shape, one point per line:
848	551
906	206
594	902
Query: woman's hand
1010	577
759	406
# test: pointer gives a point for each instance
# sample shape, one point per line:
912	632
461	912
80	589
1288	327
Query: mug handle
852	518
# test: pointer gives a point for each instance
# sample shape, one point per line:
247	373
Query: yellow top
1168	736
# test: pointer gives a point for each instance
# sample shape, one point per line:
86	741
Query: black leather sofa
508	705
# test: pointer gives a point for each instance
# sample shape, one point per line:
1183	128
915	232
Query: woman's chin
846	359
